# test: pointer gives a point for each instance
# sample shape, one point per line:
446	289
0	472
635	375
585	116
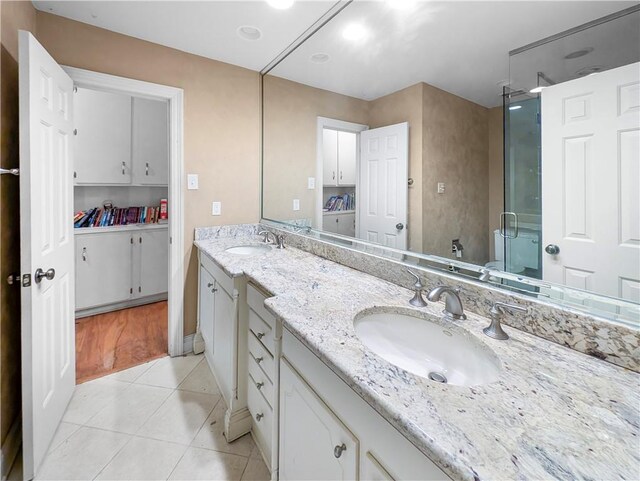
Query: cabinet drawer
262	382
261	356
222	279
261	329
262	418
255	299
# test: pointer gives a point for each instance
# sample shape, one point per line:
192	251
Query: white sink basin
428	347
250	250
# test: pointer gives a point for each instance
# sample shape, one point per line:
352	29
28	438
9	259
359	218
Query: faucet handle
265	233
418	284
500	308
280	238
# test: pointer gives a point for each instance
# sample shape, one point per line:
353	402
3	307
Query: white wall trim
174	96
187	344
325	122
11	447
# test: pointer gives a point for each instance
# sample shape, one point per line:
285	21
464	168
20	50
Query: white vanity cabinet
103	137
338	222
119	266
150	142
339	158
263	349
329	432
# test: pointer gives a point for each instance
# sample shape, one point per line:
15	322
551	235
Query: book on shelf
340	202
108	216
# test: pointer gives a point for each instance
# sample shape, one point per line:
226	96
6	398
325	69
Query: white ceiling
461	47
206	28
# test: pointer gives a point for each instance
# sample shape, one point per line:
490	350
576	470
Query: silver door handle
146	171
399	226
260	335
49	274
340	175
259	385
123	166
503	232
259	359
210	284
259	416
84	254
552	249
333	175
338	450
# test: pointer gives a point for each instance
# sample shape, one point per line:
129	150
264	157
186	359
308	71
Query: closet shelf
338	212
118	228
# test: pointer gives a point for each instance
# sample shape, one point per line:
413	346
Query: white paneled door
383	185
46	240
591	183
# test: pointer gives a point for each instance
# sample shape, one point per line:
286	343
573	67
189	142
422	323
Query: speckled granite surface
593	335
554	413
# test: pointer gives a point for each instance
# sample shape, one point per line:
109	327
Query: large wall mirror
498	140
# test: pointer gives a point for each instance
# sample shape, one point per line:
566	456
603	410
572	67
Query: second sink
421	344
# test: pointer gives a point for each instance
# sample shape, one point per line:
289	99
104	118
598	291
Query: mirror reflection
507	142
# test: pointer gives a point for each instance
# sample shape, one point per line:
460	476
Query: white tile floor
161	420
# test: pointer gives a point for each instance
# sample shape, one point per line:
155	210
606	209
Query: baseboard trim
92	311
187	344
11	447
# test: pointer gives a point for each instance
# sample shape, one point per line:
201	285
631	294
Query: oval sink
249	250
428	347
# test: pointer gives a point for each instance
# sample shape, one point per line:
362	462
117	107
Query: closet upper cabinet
339	150
103	140
150	142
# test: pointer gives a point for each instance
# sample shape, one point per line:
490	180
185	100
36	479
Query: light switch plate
311	183
296	204
216	208
192	181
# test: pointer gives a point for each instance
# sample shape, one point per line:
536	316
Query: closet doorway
127	210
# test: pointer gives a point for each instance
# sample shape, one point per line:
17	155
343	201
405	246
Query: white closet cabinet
314	443
339	157
103	269
150	142
103	137
339	223
120	267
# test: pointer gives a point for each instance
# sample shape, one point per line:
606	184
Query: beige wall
406	106
496	173
221	121
455	149
15	16
290	122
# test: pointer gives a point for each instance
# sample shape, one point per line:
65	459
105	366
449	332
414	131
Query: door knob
40	274
552	249
399	226
338	450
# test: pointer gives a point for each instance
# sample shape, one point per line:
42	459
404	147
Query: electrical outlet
311	183
216	208
296	204
192	181
440	187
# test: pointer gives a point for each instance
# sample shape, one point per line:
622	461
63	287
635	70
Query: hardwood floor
118	340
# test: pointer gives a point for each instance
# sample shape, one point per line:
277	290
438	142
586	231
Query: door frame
174	95
344	126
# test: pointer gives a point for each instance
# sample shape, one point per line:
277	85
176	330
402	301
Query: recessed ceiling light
319	58
249	33
354	31
579	53
281	4
515	107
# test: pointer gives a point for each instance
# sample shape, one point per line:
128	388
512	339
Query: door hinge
139	289
131	290
26	280
170	240
75	174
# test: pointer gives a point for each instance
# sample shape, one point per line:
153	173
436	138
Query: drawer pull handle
260	335
214	290
210	284
146	172
259	359
123	166
338	450
259	385
259	416
84	254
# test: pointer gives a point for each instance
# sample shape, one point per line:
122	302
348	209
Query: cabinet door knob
259	416
338	450
340	175
123	166
260	335
259	359
259	385
214	290
333	175
146	170
210	284
84	254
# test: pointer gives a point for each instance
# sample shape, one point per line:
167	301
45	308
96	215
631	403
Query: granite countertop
554	413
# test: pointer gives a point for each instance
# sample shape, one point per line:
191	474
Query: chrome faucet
494	330
280	241
266	235
417	299
453	305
